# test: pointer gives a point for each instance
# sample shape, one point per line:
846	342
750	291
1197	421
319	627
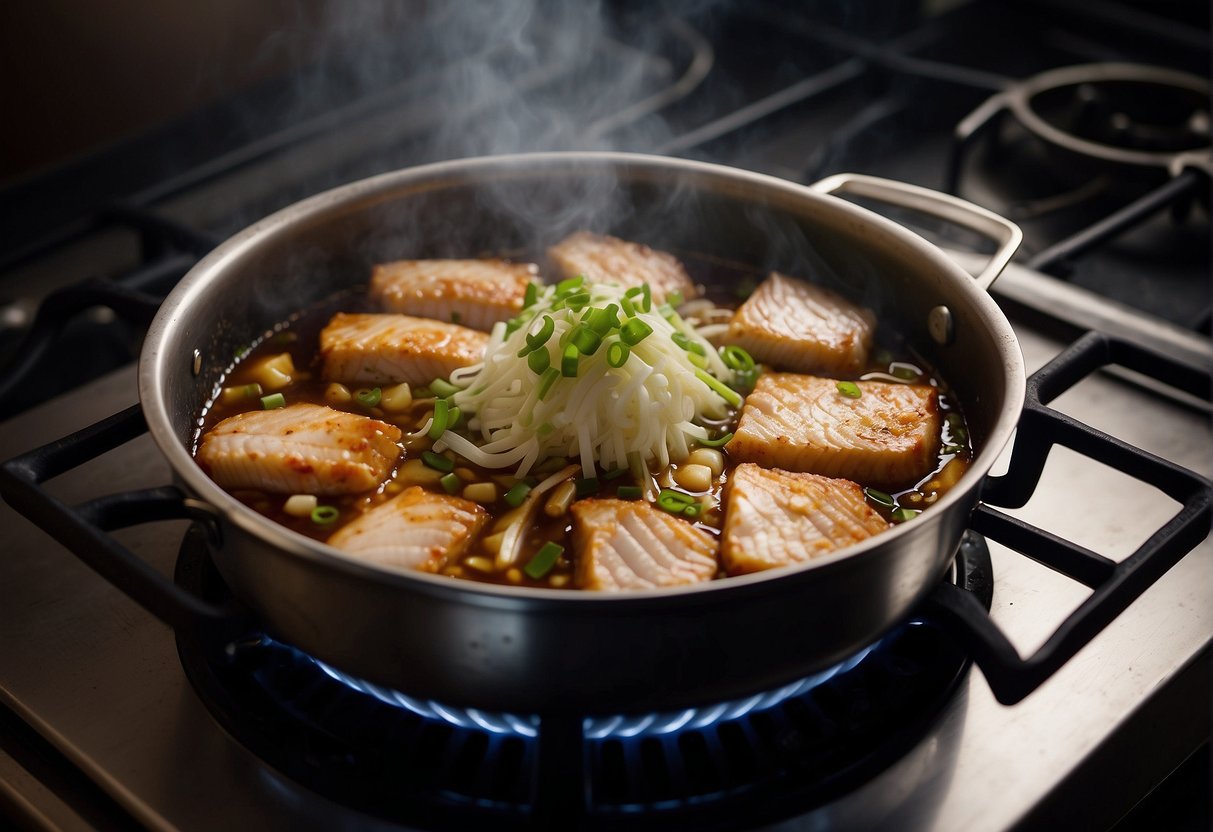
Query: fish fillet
300	449
416	530
626	544
778	518
797	326
885	438
473	293
389	349
603	259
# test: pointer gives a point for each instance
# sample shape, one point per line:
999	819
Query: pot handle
1115	585
1005	233
84	528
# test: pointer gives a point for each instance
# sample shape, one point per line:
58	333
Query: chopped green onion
674	502
273	401
531	296
693	510
325	515
903	514
906	372
442	388
615	474
545	332
368	397
543	561
849	389
736	358
617	354
544	429
454	415
718	442
539	361
585	339
666	311
577	301
567	287
646	303
442	417
586	486
629	492
628	309
681	339
422	393
879	497
700	361
569	360
437	461
603	321
634	331
723	390
674	298
951	449
517	494
451	483
547	380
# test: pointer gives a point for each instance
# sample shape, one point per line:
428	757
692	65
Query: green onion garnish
723	390
547	380
903	514
442	416
736	358
603	321
617	354
629	492
545	332
718	442
567	287
443	388
682	340
666	311
674	298
615	474
634	331
569	360
628	309
693	510
454	416
544	429
539	361
646	303
700	361
905	372
879	497
585	339
517	494
273	401
437	461
577	301
586	486
368	397
543	560
951	449
451	483
849	389
531	296
325	515
674	502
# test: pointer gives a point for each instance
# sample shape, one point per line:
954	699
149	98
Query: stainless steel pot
529	650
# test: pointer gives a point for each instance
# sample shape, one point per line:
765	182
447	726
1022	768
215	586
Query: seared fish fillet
416	530
885	438
798	326
777	518
301	449
389	349
626	544
474	293
604	259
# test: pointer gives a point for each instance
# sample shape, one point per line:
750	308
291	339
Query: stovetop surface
101	679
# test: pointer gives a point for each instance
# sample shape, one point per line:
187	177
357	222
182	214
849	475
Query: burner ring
1025	98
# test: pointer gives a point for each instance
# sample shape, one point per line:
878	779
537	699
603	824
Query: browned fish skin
801	327
300	449
629	544
417	530
389	349
778	518
473	293
604	259
886	438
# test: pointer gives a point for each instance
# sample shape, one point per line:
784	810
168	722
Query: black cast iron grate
404	760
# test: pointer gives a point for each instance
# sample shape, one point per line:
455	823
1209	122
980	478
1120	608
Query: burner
406	760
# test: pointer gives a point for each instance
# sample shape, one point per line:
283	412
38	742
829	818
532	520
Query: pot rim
154	358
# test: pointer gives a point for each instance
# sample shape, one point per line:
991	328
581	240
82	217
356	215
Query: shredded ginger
644	411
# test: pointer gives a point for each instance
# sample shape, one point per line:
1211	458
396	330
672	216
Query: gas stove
111	719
